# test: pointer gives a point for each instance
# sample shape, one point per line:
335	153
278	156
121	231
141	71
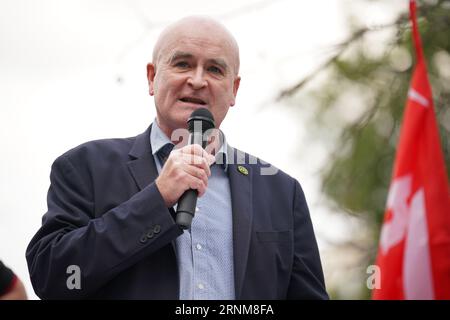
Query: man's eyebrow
179	55
186	55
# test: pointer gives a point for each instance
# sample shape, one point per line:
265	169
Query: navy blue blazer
106	216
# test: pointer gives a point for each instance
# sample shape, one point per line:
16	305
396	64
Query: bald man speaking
110	231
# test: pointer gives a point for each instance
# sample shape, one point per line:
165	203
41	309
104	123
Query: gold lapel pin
243	170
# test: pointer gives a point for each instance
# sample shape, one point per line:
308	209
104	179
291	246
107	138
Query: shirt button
199	246
201	286
196	209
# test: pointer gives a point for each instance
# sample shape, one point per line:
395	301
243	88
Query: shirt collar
158	139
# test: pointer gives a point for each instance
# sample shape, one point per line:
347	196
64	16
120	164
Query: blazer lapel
241	198
142	166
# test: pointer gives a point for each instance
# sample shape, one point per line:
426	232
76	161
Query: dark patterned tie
164	153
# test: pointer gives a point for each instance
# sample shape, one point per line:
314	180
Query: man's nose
197	79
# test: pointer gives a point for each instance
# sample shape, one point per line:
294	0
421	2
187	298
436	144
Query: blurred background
323	88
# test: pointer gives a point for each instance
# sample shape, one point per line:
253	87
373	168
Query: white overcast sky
60	66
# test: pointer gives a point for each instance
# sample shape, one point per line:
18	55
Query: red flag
414	249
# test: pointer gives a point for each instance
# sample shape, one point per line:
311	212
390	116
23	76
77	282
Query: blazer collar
142	166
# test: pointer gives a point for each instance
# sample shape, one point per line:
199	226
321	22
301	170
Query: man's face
195	69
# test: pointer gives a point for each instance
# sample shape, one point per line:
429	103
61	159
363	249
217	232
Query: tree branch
342	47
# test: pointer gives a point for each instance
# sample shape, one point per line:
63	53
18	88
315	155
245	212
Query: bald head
192	28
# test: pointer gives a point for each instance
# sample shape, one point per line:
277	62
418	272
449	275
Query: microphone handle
188	200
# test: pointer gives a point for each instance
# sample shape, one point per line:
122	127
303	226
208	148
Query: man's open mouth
193	100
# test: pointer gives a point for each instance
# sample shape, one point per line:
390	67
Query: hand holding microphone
185	174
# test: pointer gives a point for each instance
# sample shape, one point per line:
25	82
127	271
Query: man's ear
151	71
236	83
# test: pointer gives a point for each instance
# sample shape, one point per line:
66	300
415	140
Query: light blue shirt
205	252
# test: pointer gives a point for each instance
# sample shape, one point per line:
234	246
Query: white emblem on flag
417	97
409	223
417	278
393	231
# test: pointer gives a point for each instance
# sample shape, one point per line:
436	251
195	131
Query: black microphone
200	121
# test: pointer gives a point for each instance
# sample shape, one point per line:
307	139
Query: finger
199	151
193	149
197	173
197	161
196	184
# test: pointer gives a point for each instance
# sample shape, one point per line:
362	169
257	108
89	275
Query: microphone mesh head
203	115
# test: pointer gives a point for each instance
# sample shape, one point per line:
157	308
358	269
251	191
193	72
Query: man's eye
181	64
215	70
